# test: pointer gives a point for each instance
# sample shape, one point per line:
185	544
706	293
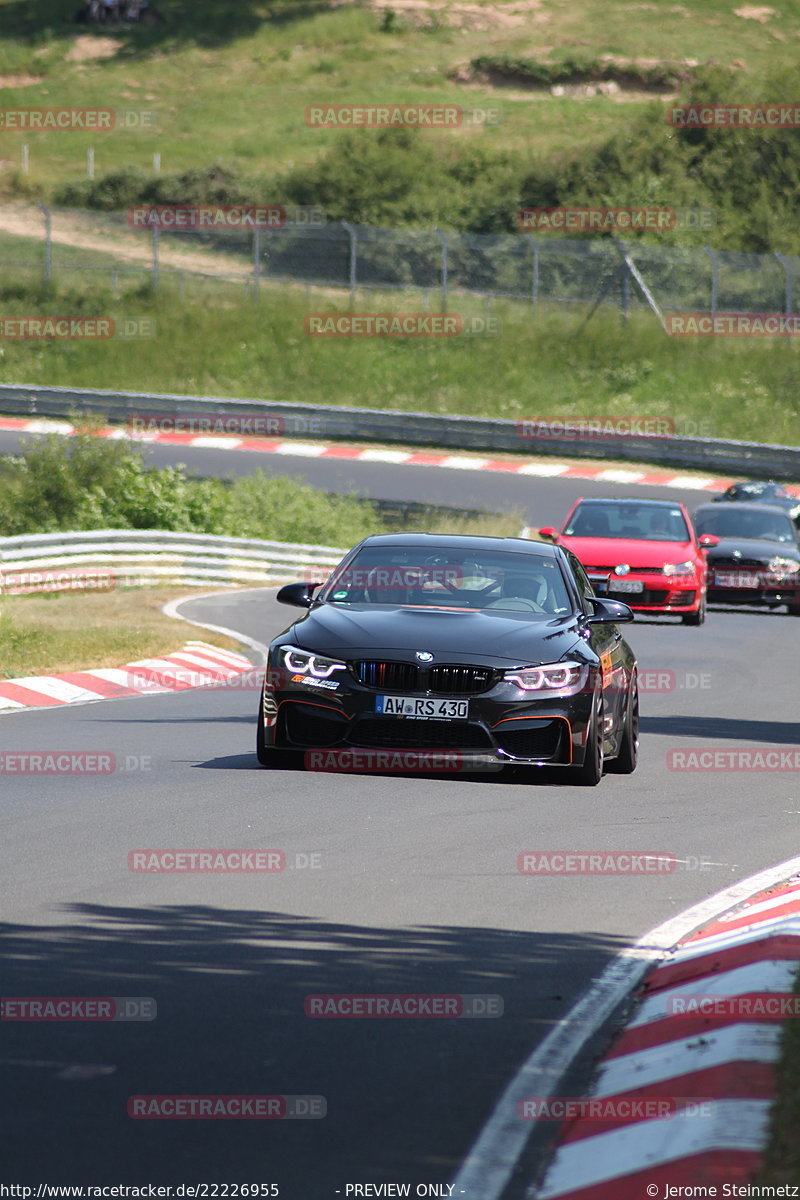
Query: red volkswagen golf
644	552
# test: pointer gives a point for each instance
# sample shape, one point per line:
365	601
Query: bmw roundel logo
424	656
622	569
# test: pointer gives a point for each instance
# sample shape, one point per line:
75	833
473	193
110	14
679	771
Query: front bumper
504	725
659	593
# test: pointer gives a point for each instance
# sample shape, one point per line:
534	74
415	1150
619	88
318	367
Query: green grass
781	1164
68	632
231	82
544	363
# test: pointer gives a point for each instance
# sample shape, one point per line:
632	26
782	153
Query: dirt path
79	230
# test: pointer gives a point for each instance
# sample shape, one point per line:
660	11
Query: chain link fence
44	243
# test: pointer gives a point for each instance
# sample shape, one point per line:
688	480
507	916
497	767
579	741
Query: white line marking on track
389	456
217	443
171	610
306	449
686	481
620	476
543	469
494	1155
461	463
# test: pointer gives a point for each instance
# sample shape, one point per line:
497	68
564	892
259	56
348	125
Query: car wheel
696	618
590	772
793	610
626	760
274	757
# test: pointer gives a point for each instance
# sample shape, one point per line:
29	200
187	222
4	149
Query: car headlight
783	566
567	677
303	662
684	568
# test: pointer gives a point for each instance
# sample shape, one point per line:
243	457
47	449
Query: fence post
351	274
714	276
535	280
787	267
155	258
25	158
626	289
633	272
256	261
90	162
48	242
443	239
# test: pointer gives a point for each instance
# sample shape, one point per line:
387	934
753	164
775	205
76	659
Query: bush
87	482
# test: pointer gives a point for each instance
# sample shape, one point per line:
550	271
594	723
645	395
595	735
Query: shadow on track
404	1096
779	733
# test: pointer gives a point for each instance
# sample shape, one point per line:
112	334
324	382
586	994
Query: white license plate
626	585
411	706
736	579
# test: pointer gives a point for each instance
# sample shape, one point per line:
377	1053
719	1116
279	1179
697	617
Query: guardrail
137	558
488	435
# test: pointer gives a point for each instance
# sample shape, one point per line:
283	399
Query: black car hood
478	637
753	550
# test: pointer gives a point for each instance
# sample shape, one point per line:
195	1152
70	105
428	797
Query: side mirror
296	594
609	612
549	532
707	540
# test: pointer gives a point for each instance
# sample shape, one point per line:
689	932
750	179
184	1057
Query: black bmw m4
492	649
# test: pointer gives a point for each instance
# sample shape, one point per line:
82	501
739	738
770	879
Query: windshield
761	526
447	577
648	522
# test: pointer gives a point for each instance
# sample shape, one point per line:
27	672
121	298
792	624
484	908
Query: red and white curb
197	664
545	469
711	1074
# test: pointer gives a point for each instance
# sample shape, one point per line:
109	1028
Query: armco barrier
410	429
147	557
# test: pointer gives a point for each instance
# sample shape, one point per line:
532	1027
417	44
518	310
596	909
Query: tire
793	610
626	760
273	757
696	618
590	772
